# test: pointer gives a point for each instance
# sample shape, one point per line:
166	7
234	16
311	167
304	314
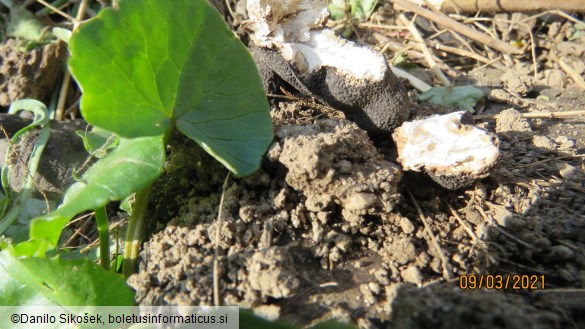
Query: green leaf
359	9
62	34
152	64
98	142
32	208
127	203
131	167
338	9
465	97
41	281
362	9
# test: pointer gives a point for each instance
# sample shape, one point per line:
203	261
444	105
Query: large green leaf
131	167
152	64
41	281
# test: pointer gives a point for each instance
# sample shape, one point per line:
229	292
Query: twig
535	115
449	23
486	65
509	5
57	10
462	40
78	230
532	164
465	53
533	53
383	26
396	47
414	81
218	223
446	269
569	70
462	223
501	229
555	12
425	50
25	166
63	96
67	77
528	268
229	7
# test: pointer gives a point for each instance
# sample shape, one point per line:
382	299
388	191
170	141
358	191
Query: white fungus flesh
324	49
295	28
444	146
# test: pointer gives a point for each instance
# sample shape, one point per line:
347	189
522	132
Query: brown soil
29	74
327	228
332	227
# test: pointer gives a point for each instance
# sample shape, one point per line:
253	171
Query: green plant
351	11
358	9
182	77
146	69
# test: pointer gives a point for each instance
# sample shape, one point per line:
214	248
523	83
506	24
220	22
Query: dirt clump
341	168
29	74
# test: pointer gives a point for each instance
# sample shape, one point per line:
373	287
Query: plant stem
136	225
101	218
134	231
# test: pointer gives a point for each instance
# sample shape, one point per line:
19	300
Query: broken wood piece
535	115
424	49
572	74
460	28
414	81
452	6
292	44
469	54
448	148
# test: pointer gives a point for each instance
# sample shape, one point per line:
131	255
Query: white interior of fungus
324	48
295	28
444	146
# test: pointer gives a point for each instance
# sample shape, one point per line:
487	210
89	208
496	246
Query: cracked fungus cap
447	146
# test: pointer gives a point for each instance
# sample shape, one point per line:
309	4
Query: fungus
448	148
291	43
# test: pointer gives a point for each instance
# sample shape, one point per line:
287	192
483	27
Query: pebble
411	274
374	287
403	251
543	142
406	225
511	120
369	297
567	171
382	276
564	142
360	201
506	218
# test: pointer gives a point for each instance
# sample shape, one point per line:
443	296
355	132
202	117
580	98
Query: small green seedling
464	97
354	10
